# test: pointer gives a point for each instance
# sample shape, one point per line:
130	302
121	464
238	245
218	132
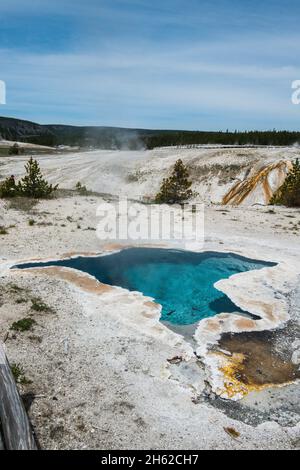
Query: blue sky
177	64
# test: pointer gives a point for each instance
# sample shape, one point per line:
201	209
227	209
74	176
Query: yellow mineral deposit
260	186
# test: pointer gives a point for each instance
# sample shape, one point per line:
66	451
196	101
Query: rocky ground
93	369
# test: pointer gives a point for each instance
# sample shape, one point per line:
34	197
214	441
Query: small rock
232	432
175	360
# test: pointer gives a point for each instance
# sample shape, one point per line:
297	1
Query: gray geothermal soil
92	380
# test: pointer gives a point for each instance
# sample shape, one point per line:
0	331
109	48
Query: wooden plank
16	428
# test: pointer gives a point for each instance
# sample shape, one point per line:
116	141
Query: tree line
135	139
185	138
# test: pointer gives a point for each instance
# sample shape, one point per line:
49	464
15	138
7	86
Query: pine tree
33	184
176	188
289	193
15	150
8	187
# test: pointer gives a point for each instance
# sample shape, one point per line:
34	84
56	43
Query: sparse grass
25	381
81	189
63	193
3	230
134	177
225	175
16	288
21	300
19	374
16	370
25	324
4	152
39	306
44	224
36	339
24	204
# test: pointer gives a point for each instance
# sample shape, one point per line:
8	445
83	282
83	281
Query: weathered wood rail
1	443
16	429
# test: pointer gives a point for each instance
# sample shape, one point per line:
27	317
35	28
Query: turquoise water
181	281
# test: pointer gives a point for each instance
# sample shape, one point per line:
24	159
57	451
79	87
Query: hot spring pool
181	281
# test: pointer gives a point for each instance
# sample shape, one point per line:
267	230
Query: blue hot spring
181	281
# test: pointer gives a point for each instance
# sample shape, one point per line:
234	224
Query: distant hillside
121	138
24	131
51	135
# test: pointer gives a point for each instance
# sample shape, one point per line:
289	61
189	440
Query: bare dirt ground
93	375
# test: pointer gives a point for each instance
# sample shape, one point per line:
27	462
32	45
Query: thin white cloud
124	81
145	80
